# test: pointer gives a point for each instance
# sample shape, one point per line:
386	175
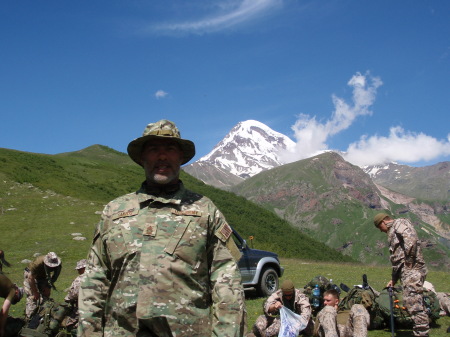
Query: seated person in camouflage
162	262
40	274
12	294
331	322
269	324
72	295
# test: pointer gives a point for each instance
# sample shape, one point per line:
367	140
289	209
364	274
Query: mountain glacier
248	149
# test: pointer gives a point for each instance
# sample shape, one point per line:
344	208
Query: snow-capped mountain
248	149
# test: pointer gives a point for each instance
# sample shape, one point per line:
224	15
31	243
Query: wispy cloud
311	136
230	13
400	145
160	94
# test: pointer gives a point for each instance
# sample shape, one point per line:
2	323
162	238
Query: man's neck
157	189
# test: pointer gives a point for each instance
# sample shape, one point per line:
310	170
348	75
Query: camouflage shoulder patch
123	214
224	232
234	250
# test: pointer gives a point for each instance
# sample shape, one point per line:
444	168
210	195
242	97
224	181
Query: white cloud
311	136
160	94
400	145
231	13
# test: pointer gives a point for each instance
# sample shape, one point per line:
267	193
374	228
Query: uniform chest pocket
122	240
188	242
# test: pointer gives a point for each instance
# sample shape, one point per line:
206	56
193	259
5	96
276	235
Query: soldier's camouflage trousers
356	326
412	282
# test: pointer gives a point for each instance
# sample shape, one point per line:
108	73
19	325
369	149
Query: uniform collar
163	193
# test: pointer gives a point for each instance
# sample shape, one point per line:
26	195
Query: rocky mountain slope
427	182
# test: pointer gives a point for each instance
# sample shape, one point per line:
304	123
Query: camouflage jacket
404	248
301	304
162	256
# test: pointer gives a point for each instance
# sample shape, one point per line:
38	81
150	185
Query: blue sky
368	77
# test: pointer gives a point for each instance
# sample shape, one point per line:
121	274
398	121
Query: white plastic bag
291	323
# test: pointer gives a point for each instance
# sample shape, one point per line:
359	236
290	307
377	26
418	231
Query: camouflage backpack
324	285
401	315
47	321
366	297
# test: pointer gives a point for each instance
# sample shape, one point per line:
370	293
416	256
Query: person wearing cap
163	261
39	277
269	324
12	295
72	295
332	321
408	266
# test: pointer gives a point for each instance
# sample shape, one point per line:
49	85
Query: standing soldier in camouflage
39	278
12	294
162	262
72	295
333	322
408	266
269	324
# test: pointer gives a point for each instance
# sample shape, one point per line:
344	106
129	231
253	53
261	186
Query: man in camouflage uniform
408	266
269	324
12	294
163	262
39	278
72	295
331	322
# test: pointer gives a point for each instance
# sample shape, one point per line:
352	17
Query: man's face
287	295
162	160
330	300
382	227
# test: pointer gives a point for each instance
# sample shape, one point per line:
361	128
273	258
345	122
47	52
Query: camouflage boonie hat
161	129
52	260
81	264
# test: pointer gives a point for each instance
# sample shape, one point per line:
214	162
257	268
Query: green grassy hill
99	174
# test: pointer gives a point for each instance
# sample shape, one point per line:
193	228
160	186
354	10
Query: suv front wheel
268	282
